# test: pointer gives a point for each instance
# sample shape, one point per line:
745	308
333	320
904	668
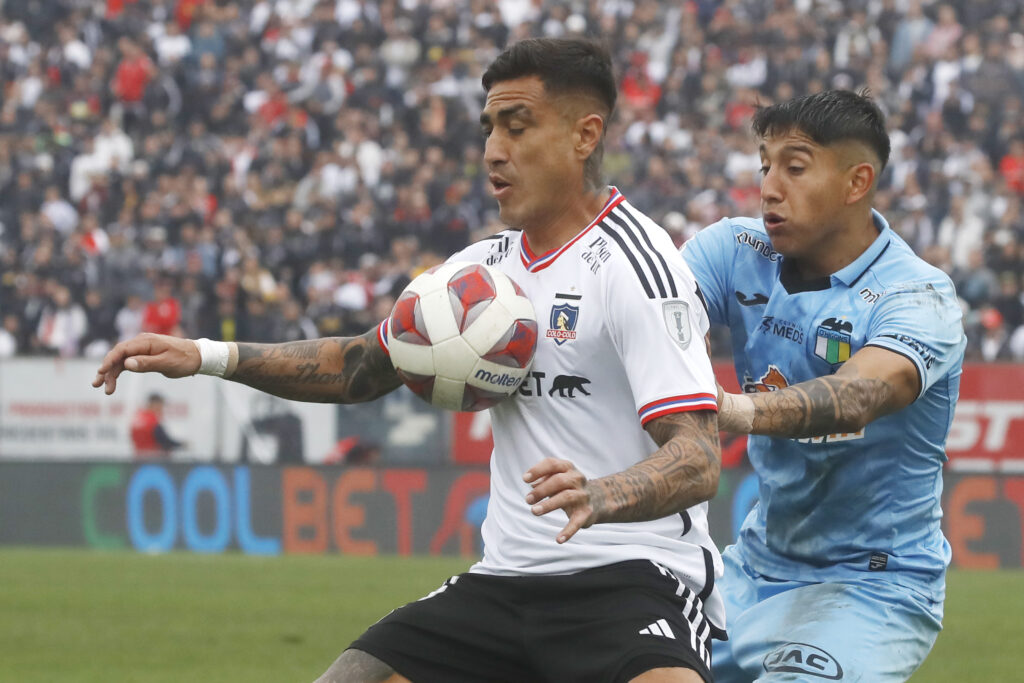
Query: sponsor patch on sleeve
923	352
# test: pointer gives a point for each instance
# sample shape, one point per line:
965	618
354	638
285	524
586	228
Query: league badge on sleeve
563	323
833	342
677	321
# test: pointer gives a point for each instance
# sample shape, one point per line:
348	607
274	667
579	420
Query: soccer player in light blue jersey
849	350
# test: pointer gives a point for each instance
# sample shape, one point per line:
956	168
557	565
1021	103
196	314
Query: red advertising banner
471	438
988	428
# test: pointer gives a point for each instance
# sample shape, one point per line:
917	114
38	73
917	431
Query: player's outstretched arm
330	370
681	473
872	383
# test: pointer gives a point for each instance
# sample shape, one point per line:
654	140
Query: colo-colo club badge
563	323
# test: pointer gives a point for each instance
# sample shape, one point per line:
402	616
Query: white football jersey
621	331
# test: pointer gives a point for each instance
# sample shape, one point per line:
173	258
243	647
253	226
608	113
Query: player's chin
507	212
782	241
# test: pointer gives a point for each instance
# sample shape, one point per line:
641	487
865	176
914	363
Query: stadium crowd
277	170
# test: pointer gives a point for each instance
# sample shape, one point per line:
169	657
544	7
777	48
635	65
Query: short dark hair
828	117
566	66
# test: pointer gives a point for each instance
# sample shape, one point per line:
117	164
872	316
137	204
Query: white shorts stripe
693	615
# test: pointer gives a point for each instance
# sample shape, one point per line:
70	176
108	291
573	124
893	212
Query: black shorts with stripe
608	624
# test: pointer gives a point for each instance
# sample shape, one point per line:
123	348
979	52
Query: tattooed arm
681	473
872	383
334	370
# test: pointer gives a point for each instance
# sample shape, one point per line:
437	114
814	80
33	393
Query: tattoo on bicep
681	473
347	370
824	405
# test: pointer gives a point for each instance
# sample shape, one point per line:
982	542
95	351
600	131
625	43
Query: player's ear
587	134
860	182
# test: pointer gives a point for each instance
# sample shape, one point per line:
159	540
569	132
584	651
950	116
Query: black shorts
609	624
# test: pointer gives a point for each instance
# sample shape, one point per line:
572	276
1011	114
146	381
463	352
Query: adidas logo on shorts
659	628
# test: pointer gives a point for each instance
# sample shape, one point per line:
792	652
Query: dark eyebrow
507	112
805	149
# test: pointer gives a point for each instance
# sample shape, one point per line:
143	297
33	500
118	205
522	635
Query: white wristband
215	357
736	414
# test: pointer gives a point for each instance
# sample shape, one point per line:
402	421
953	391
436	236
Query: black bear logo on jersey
568	383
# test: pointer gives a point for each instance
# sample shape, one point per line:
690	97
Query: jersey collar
533	263
853	272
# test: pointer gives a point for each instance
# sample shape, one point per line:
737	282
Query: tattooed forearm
825	405
681	473
334	370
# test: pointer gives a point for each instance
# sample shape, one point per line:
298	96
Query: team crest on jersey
833	340
563	323
677	321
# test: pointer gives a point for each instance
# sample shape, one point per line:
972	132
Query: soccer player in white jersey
597	563
850	348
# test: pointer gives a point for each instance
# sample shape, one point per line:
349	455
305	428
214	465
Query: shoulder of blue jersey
900	270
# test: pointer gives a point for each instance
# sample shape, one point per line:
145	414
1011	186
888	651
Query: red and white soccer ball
462	336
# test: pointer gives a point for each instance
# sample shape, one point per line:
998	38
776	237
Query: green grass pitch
81	616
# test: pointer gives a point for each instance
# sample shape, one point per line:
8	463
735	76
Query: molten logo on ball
462	336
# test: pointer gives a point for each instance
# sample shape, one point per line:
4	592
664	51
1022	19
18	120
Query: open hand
558	485
170	356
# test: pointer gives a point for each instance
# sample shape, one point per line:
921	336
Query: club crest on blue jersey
833	340
563	323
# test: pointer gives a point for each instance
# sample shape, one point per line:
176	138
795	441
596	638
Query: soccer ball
462	336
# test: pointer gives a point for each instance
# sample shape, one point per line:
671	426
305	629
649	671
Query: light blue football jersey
835	507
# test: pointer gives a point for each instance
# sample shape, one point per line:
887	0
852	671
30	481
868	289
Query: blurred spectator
134	73
62	324
292	164
1011	166
293	324
10	333
128	320
59	211
100	315
149	437
163	313
994	337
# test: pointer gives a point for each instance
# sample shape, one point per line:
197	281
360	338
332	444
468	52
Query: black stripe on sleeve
687	522
632	259
647	240
909	356
700	295
709	575
643	252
